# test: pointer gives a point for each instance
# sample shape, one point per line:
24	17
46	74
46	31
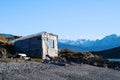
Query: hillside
6	38
110	53
3	40
6	47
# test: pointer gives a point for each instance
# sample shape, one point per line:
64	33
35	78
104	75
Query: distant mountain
107	42
6	35
110	53
71	47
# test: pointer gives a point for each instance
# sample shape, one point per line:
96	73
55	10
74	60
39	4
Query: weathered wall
53	52
22	46
32	46
35	47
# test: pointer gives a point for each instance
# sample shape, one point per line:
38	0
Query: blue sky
70	19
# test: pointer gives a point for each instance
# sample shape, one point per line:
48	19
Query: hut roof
31	36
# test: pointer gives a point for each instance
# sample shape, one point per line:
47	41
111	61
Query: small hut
38	45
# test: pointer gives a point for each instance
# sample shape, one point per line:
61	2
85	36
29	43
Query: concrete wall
47	50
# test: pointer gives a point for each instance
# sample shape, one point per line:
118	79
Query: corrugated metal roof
33	35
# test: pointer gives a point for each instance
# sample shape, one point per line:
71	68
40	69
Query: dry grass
37	59
5	60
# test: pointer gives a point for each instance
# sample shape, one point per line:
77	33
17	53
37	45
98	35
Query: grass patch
37	59
5	60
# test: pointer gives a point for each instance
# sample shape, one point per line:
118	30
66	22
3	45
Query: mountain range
108	42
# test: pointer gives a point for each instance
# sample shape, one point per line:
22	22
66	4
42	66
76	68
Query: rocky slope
6	46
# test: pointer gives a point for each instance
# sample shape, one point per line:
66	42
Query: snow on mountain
70	42
73	42
107	42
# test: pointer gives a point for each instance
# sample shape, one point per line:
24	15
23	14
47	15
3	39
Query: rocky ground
46	71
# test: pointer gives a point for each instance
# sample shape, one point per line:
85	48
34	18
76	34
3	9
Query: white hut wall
50	45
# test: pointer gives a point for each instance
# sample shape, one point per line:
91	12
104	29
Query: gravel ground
45	71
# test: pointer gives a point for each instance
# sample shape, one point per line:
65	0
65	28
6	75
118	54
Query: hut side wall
35	47
32	46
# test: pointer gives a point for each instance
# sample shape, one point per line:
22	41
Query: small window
50	43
